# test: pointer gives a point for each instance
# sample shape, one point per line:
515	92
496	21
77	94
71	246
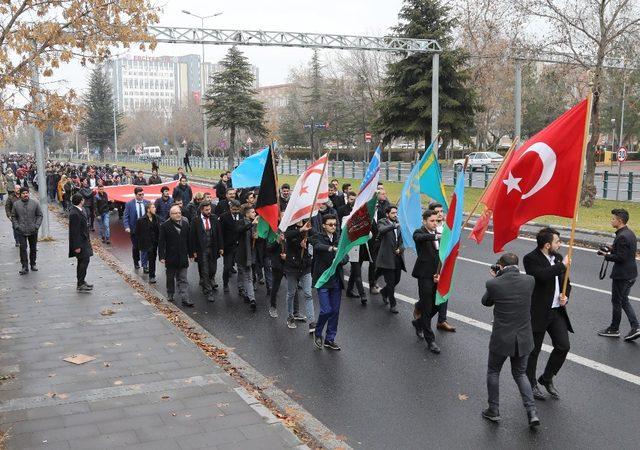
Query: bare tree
591	31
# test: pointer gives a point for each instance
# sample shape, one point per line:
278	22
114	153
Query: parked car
480	160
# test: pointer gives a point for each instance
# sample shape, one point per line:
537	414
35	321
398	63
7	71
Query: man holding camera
509	292
623	275
548	311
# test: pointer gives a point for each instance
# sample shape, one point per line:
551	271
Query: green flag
265	231
355	232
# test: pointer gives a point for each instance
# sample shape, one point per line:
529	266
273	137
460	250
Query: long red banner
124	193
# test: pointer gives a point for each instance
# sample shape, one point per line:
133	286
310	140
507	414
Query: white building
158	83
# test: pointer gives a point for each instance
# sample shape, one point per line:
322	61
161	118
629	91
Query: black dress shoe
187	303
493	416
534	421
34	268
433	347
393	310
363	299
226	289
252	305
537	393
83	288
385	300
551	389
24	271
170	297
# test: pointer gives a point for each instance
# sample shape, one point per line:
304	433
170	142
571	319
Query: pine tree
405	109
231	103
98	105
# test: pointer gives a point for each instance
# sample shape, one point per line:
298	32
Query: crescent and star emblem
548	158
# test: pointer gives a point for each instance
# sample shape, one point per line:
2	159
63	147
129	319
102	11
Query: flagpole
574	220
506	157
315	196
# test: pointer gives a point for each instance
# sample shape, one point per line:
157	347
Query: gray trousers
178	275
518	370
245	282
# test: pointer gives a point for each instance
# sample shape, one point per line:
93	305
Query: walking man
623	275
442	325
135	210
509	292
246	256
297	269
548	309
163	203
174	251
206	242
102	211
426	271
79	241
390	260
26	218
330	293
230	222
13	197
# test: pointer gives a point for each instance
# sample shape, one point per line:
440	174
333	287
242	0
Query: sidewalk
148	387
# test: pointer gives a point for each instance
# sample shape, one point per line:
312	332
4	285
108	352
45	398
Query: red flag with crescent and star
541	178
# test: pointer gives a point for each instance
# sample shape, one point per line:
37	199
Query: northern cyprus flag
301	205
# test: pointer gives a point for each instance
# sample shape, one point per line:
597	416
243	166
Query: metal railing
397	171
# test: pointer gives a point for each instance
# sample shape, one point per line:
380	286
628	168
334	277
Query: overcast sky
360	17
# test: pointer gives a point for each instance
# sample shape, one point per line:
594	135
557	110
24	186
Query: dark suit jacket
323	258
79	234
623	254
537	265
297	262
246	255
510	295
174	247
427	259
230	234
388	244
148	232
198	236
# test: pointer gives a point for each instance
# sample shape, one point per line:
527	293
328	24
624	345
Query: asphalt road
385	390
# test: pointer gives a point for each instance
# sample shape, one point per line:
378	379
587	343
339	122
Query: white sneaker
291	323
273	312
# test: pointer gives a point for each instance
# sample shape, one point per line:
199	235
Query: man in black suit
174	251
509	292
426	271
222	186
623	275
79	241
337	199
230	222
548	310
390	259
223	203
206	242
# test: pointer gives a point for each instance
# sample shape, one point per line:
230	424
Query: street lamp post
205	152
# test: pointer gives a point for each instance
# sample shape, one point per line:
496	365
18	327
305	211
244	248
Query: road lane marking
589	288
586	362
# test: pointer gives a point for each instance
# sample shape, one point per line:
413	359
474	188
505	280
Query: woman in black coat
148	232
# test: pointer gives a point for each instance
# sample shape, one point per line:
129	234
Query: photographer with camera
548	310
509	292
623	274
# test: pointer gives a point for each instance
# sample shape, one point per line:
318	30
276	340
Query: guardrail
397	171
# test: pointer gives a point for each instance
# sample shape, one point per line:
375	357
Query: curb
293	415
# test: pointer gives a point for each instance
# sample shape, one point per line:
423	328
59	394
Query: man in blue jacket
134	210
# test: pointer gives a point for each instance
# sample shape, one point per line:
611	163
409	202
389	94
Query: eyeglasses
330	224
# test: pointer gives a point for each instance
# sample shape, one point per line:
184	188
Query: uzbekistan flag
358	224
450	242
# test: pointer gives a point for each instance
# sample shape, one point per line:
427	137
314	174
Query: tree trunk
231	150
588	194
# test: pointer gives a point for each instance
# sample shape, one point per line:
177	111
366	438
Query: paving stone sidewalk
148	387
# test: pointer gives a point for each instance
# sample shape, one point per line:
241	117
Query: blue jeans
329	299
292	286
105	231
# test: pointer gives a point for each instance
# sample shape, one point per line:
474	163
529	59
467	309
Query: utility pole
203	81
115	103
38	141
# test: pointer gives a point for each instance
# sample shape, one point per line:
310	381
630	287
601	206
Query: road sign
622	154
367	137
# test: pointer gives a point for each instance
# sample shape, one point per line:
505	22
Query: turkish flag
542	176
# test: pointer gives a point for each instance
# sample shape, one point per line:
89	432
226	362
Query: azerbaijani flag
450	242
358	224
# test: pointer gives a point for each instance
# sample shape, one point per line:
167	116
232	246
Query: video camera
603	249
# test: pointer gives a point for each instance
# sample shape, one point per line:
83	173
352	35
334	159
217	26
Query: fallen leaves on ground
463	397
117	302
107	312
79	358
118	382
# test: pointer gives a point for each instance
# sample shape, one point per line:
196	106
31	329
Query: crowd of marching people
219	227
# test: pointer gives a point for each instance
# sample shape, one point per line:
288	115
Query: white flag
300	204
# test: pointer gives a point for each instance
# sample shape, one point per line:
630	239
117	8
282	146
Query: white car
480	160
